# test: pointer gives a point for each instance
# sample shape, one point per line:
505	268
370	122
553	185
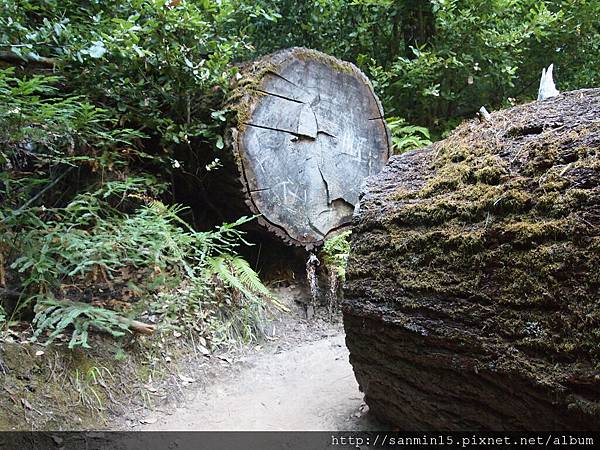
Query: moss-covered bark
473	283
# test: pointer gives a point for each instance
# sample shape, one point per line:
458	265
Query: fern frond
55	315
235	272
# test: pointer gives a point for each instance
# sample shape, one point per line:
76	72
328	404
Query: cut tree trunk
308	129
472	294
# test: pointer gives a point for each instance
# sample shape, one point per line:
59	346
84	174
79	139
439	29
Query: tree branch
13	58
134	325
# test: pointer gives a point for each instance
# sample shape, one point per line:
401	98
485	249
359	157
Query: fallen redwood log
307	130
472	294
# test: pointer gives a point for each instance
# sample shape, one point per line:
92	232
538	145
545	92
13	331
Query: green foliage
238	285
47	136
235	272
407	137
85	241
86	236
434	61
58	315
335	253
158	65
89	151
32	111
226	304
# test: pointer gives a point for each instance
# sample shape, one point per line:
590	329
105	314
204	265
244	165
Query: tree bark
308	129
418	25
472	296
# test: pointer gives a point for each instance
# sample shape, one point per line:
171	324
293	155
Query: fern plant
87	236
407	137
236	273
242	314
56	316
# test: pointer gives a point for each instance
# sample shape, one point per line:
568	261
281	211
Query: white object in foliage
547	87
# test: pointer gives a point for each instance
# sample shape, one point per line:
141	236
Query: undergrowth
335	254
56	316
87	238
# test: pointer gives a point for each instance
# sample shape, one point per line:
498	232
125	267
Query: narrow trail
308	387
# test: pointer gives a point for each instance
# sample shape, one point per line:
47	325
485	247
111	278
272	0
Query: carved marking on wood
311	138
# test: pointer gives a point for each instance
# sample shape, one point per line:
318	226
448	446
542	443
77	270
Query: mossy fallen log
472	294
307	129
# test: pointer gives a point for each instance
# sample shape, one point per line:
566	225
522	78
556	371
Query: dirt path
298	379
309	387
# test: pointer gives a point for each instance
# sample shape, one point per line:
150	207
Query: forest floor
299	378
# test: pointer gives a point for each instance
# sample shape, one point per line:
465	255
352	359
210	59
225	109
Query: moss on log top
489	244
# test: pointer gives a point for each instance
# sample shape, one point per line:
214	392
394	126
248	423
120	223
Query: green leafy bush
436	61
159	65
84	241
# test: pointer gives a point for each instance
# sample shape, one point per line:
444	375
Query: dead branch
15	59
134	325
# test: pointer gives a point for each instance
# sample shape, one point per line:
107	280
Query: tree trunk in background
308	129
418	24
472	293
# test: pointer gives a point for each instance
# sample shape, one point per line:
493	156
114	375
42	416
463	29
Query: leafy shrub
157	65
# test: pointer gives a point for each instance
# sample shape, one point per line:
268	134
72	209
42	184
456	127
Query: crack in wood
307	122
326	185
297	136
327	133
280	96
316	100
314	227
273	129
319	130
278	75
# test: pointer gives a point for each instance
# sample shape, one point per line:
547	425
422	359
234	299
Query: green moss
305	54
72	389
504	220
